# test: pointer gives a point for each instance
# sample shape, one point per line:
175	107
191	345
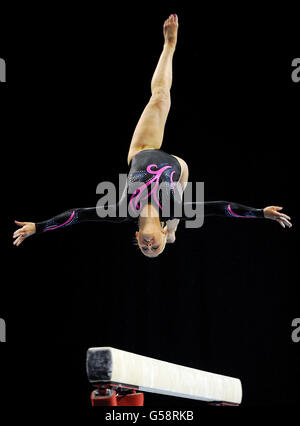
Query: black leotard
153	170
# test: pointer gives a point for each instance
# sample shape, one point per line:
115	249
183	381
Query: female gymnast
150	166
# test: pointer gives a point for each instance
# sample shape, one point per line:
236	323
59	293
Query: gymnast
148	167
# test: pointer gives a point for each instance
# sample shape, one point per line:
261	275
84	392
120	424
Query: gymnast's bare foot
170	30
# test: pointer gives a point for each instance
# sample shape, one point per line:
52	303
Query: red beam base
110	397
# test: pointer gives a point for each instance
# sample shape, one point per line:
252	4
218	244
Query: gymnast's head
151	237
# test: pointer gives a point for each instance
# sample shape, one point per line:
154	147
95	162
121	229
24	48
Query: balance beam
110	368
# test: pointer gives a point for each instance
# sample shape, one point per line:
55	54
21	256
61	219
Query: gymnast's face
151	241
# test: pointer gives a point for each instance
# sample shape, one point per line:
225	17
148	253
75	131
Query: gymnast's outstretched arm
63	220
236	210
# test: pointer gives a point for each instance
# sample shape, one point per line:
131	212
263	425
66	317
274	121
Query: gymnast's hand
171	237
28	228
170	230
272	212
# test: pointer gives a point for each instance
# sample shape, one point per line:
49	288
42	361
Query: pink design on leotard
59	226
236	215
138	192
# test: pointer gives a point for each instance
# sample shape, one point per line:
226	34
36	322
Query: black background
222	298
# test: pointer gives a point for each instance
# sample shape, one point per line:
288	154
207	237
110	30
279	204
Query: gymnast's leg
149	131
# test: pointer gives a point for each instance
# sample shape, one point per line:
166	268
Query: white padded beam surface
109	365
